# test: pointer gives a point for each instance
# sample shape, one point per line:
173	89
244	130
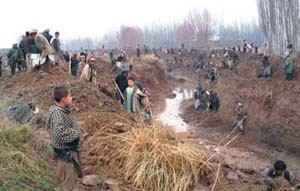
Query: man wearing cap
47	34
14	58
240	117
46	52
89	72
55	42
31	41
33	50
81	64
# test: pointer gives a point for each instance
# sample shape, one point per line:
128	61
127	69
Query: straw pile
154	159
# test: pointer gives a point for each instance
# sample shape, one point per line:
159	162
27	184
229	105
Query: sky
94	18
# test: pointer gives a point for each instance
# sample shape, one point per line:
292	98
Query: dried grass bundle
154	159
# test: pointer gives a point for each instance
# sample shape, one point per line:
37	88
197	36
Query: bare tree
279	20
202	25
130	36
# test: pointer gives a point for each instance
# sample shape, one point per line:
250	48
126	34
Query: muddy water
170	116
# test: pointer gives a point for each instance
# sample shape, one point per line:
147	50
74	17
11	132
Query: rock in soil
91	180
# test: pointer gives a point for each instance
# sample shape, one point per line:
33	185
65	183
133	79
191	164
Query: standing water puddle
171	114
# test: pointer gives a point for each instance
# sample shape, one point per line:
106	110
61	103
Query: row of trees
198	30
234	34
280	22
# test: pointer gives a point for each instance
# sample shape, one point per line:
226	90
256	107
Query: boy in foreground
66	139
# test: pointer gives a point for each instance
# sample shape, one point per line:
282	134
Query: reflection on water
171	115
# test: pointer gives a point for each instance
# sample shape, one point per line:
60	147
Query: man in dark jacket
111	54
198	96
213	101
122	83
66	56
267	67
55	42
31	42
47	34
33	50
138	51
74	64
24	47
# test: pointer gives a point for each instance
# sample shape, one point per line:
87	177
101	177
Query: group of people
67	137
288	64
35	51
230	57
209	100
84	67
206	99
133	95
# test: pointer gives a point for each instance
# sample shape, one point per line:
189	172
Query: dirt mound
151	71
94	108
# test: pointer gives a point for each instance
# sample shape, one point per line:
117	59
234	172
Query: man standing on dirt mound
122	83
55	42
14	59
46	53
47	34
89	72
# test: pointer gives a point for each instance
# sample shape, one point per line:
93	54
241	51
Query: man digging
240	117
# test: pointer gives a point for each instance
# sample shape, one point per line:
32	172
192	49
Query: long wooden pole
121	94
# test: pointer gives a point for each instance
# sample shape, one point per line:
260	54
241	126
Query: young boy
132	97
66	138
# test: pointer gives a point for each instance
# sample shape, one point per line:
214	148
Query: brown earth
272	130
96	110
272	105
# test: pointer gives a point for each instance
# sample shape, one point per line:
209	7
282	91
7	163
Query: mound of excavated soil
95	109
